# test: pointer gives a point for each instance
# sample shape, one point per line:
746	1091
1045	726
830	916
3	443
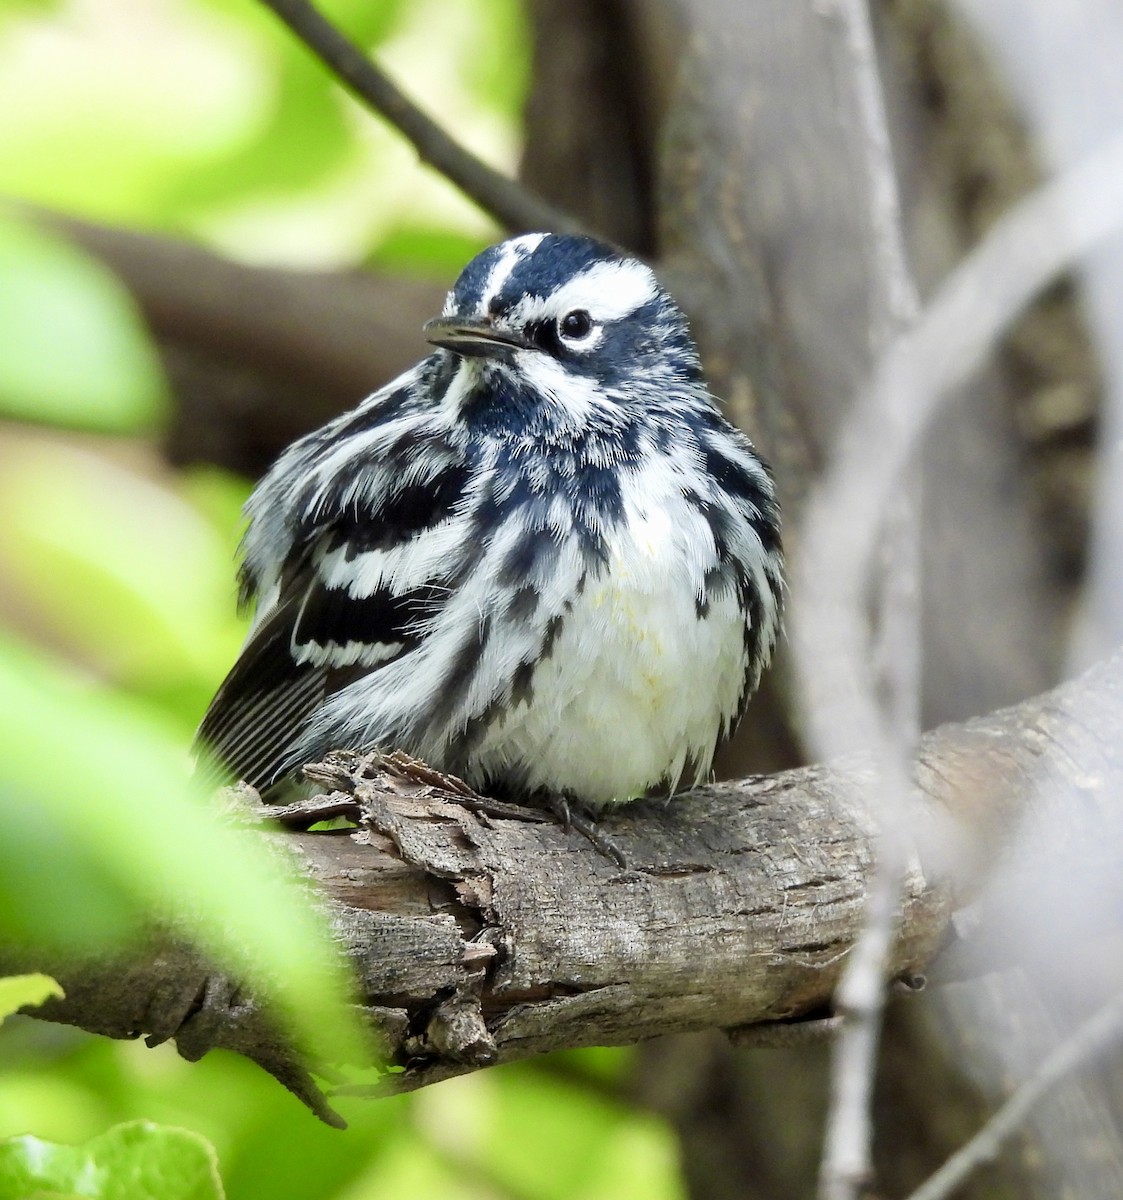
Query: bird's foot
583	820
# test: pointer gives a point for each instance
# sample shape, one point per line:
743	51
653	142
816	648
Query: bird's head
569	318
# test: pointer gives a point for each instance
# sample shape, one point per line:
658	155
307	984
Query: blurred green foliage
74	352
205	119
133	1161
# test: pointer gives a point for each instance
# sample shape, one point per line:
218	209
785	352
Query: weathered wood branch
480	939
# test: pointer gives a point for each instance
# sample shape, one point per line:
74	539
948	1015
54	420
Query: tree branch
508	202
479	939
847	1162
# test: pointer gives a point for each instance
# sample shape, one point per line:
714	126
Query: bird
541	560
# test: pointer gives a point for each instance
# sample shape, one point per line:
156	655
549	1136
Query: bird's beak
475	337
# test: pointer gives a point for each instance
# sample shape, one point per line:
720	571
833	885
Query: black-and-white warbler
540	560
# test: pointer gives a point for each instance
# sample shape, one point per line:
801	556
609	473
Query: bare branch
479	939
1099	1032
860	1000
508	202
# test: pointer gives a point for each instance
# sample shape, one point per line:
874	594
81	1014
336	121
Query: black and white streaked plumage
540	560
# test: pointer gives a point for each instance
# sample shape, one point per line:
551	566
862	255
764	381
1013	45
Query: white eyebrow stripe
607	290
514	251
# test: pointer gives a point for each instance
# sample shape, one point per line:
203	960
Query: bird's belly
632	697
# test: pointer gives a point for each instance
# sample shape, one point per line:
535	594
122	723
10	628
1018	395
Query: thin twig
508	202
1098	1032
860	997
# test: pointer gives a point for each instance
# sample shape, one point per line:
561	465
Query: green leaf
22	991
73	350
134	1161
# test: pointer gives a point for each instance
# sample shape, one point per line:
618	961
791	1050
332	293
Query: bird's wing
347	551
262	702
314	640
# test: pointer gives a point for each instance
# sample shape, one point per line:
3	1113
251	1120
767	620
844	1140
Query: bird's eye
576	324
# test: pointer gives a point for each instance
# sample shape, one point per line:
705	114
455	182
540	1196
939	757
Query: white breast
637	685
